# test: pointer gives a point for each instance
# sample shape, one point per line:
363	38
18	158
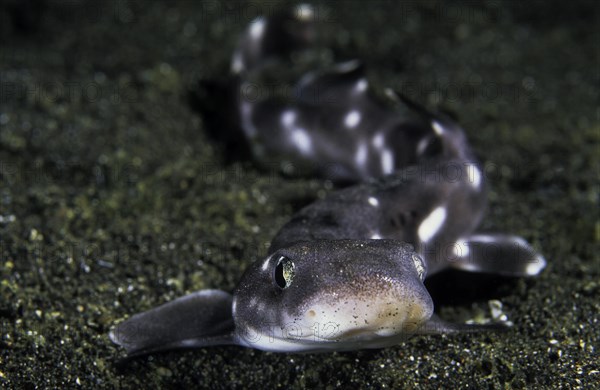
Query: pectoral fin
435	325
498	254
196	320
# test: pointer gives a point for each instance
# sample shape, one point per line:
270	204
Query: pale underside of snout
339	322
364	318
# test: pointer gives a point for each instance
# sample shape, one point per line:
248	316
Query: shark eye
284	272
420	266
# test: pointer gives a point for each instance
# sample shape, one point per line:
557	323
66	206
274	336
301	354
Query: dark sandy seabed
113	199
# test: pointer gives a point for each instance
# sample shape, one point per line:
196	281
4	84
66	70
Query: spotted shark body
347	271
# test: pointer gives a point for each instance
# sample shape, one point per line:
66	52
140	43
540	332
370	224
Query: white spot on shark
432	224
422	146
288	118
347	66
474	175
373	201
247	124
375	236
304	12
361	85
437	127
461	248
387	161
378	140
237	64
361	154
536	265
352	119
302	140
265	265
257	28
